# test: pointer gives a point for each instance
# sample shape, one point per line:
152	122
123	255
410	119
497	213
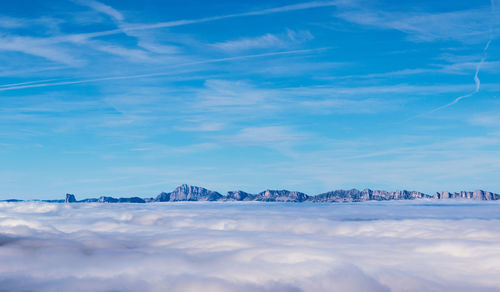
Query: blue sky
137	97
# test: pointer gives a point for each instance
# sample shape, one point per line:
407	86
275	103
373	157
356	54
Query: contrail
125	28
477	81
121	77
452	103
26	83
478	67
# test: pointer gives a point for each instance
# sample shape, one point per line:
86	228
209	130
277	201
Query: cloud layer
410	246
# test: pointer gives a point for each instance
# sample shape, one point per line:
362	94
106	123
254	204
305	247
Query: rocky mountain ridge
194	193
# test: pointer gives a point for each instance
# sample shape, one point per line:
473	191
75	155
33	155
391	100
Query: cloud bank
396	246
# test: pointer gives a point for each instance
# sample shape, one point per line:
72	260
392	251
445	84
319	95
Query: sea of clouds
372	246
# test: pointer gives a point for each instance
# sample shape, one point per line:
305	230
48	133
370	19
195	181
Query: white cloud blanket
390	246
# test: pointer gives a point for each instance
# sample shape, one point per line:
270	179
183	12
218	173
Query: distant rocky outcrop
163	197
121	200
193	193
239	196
189	193
135	200
70	198
12	201
475	195
90	200
267	196
355	195
281	196
104	199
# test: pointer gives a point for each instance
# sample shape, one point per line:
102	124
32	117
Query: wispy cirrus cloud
102	8
201	126
221	94
346	106
11	22
40	48
131	54
265	41
487	119
164	73
128	28
465	26
49	46
275	136
280	9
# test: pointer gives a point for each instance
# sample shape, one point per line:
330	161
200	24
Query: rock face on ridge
397	195
189	193
355	195
162	197
70	198
475	195
136	200
352	195
267	196
239	196
280	196
104	199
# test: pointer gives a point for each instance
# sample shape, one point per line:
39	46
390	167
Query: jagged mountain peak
187	192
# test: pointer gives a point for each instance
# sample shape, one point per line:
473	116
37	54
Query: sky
137	97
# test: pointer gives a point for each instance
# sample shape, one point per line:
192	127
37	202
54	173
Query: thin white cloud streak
125	28
264	41
9	22
102	8
485	120
31	71
468	26
460	67
479	65
413	246
267	136
404	72
455	101
39	47
28	82
162	73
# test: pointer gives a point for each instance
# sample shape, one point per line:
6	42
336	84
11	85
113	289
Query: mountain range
193	193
